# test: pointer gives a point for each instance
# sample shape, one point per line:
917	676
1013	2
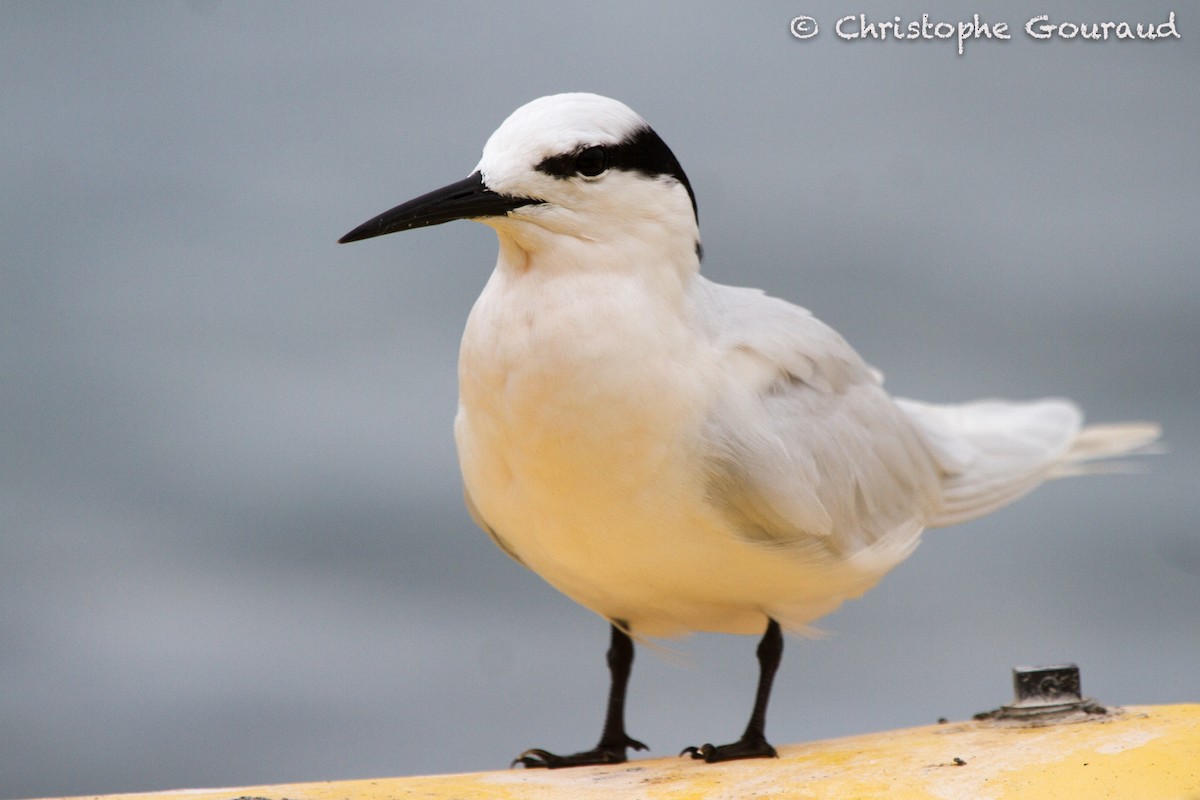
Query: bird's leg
613	739
753	743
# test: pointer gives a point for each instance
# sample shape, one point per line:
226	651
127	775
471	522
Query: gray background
232	545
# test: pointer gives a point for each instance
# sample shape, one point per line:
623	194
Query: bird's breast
580	373
580	407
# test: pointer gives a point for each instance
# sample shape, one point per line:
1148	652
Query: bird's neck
665	259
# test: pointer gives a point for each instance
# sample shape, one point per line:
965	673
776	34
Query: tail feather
992	452
1097	442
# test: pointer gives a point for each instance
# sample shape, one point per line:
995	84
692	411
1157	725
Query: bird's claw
534	758
743	748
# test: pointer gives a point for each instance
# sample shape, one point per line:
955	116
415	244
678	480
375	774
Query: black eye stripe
643	151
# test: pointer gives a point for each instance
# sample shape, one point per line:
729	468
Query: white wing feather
813	454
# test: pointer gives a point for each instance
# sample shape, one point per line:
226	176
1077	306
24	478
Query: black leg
753	743
613	740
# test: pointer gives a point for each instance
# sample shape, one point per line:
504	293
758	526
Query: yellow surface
1141	753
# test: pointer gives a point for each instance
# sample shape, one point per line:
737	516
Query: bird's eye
591	161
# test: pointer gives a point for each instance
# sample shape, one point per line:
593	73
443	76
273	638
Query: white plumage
678	455
683	455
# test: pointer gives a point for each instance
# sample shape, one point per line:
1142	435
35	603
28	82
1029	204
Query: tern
678	455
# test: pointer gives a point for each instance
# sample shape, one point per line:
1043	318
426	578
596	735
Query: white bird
677	455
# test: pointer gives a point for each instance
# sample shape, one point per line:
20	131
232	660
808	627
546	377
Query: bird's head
575	165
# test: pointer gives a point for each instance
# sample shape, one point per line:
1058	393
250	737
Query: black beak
466	199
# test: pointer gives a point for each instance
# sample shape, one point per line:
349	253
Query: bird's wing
806	451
